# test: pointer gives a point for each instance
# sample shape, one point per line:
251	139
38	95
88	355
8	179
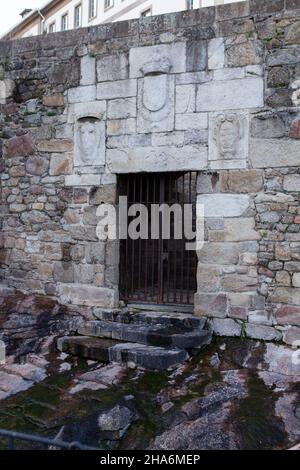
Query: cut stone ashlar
153	335
143	60
117	89
191	121
224	205
230	94
82	180
107	350
185	98
268	153
112	67
81	94
122	108
151	159
87	70
225	253
216	53
92	296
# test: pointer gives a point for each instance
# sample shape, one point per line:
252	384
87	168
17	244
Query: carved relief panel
89	142
228	140
89	135
156	92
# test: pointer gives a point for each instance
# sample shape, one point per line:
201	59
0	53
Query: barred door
159	270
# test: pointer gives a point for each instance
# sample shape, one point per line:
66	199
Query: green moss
255	418
243	325
139	435
251	34
278	34
280	85
81	364
59	381
45	395
6	61
38	411
264	233
47	406
153	381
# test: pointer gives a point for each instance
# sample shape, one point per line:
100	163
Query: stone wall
215	90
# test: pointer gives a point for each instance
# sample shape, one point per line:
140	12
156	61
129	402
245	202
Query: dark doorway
159	270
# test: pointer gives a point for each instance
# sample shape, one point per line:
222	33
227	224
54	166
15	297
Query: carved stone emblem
157	64
156	96
159	161
155	102
228	142
89	142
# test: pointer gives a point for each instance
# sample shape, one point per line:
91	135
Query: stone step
159	308
108	350
154	335
141	317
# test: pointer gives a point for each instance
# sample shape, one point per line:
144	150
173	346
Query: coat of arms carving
228	140
89	141
156	96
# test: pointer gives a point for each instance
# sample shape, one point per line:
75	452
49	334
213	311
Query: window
189	4
146	12
92	9
108	4
64	22
52	27
77	16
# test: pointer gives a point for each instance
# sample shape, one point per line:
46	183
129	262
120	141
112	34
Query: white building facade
61	15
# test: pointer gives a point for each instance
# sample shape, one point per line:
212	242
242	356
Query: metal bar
153	244
160	244
168	242
193	254
147	246
188	254
126	261
175	246
12	436
132	244
140	244
182	242
122	244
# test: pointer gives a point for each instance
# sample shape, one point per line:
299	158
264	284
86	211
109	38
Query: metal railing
13	436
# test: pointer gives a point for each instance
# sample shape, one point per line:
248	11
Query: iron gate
158	270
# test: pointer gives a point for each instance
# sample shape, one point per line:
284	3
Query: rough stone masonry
215	90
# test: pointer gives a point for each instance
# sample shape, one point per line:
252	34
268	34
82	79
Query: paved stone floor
237	394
